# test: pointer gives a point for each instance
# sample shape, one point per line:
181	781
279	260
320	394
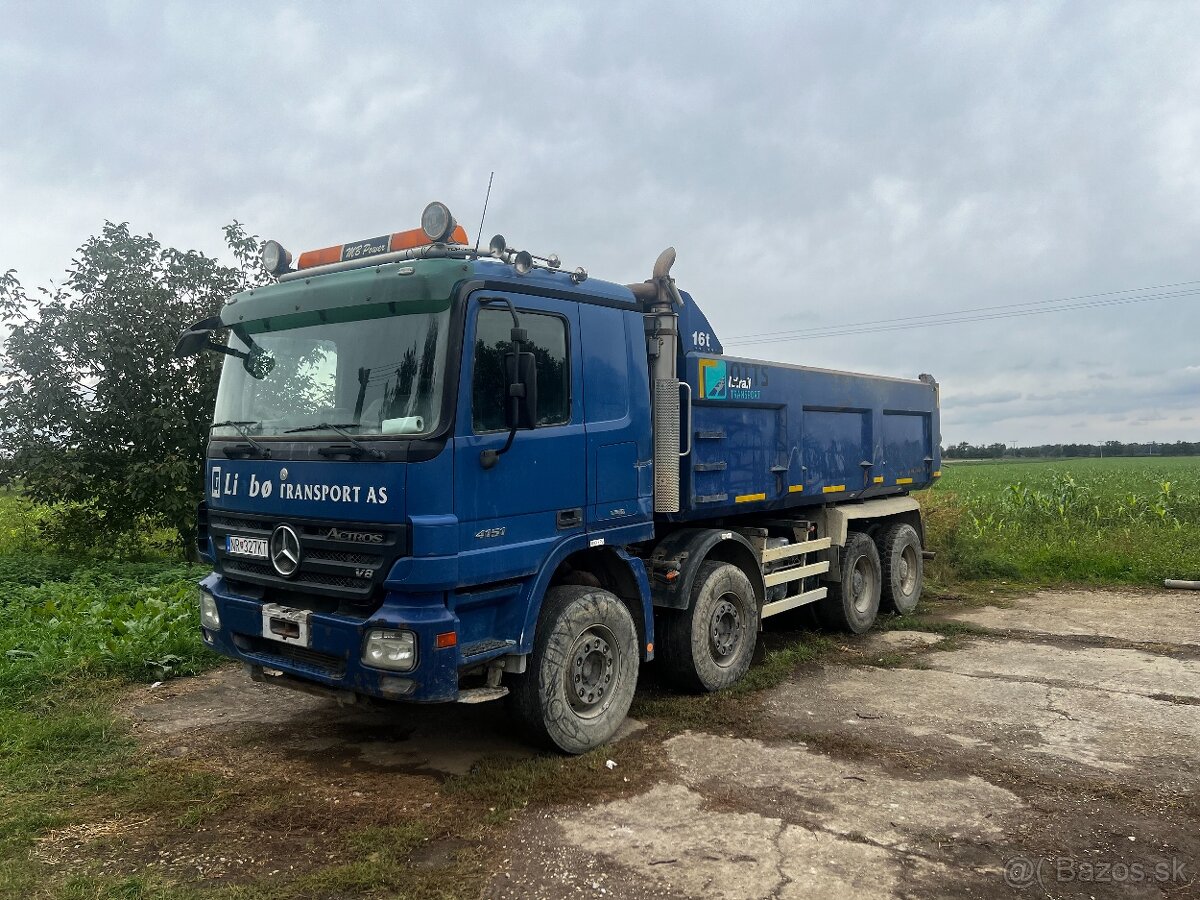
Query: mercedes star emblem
285	551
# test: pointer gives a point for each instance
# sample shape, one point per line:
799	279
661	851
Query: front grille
359	559
290	655
330	564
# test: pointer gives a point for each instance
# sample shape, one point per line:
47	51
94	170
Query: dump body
772	436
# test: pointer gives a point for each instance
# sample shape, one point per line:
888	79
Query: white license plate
286	625
246	546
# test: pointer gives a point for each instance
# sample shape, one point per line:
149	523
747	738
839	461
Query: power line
1006	311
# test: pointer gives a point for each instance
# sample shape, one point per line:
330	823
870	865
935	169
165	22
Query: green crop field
1121	520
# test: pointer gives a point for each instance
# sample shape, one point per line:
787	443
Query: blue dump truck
443	474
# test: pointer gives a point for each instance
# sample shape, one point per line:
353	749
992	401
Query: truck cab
443	475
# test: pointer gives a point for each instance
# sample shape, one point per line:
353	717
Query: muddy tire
710	645
902	566
583	670
853	603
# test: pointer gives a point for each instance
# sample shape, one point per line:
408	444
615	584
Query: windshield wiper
240	425
360	448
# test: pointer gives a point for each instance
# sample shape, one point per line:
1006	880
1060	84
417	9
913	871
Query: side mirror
258	362
520	371
196	338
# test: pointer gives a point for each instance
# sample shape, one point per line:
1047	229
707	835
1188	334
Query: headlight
390	649
210	618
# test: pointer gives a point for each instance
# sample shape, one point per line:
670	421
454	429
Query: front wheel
710	645
583	669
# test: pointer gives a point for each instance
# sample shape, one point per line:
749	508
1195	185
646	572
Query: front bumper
333	655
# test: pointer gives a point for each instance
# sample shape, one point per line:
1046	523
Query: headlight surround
387	649
210	616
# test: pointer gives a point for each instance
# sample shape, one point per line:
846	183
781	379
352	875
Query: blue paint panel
905	445
617	395
835	443
616	475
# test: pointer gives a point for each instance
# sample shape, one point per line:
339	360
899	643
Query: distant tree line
965	450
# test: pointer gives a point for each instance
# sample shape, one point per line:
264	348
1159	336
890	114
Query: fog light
210	617
390	650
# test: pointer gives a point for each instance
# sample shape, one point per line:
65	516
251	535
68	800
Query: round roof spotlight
436	222
497	246
523	262
579	276
275	259
553	261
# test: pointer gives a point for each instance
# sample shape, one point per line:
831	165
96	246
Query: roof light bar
437	226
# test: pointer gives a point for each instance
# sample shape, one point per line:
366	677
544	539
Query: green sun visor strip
421	286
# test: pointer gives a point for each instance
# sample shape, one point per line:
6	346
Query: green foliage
1112	520
95	620
100	419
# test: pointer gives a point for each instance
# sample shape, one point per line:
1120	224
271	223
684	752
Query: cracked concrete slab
918	780
1140	617
1108	669
1117	732
669	836
858	799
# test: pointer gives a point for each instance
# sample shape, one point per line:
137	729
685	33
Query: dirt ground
1046	746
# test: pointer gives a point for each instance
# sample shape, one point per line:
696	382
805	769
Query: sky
814	165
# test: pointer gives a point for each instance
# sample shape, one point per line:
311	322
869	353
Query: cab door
511	514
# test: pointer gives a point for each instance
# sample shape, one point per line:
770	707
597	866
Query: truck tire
903	568
853	603
583	670
710	645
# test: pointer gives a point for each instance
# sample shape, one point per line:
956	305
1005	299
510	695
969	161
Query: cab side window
548	343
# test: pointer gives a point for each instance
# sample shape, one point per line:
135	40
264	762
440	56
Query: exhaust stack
661	298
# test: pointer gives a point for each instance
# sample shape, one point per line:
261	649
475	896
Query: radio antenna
483	217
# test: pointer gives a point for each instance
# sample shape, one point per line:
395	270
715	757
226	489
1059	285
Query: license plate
246	546
286	625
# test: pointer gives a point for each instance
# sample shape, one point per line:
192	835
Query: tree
96	413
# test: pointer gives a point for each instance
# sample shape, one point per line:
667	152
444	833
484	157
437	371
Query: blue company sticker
724	380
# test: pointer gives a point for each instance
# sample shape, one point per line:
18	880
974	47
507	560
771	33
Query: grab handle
685	384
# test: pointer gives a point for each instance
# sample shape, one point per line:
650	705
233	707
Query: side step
482	694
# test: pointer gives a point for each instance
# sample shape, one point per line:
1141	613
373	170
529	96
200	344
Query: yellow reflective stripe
833	489
937	474
795	488
903	481
879	479
749	498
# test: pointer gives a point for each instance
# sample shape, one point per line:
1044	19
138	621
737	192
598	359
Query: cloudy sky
887	164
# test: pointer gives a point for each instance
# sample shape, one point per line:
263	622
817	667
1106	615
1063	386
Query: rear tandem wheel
852	604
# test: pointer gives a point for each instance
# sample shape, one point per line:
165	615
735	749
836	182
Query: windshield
378	374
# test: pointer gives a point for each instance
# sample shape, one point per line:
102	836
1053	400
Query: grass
73	632
1113	521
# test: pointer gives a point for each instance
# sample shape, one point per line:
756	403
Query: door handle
570	518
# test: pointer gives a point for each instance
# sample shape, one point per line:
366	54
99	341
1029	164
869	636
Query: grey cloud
814	166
